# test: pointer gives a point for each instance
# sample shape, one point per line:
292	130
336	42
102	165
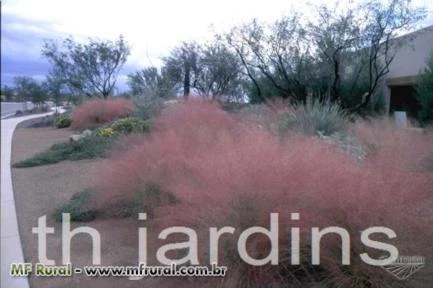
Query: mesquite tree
89	69
341	55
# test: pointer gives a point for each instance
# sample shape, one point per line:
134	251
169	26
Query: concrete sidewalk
11	249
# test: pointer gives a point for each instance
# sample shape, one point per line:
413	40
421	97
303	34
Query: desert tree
357	44
333	36
181	65
22	87
236	41
146	80
219	73
210	70
28	89
164	82
55	88
275	53
7	92
385	22
89	69
342	54
148	88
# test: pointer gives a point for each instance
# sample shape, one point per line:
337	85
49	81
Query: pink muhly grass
93	113
395	147
223	173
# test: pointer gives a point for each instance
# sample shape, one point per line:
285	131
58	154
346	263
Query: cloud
152	28
21	45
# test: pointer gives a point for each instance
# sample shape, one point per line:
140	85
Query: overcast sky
152	28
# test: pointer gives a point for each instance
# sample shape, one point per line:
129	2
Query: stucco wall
411	57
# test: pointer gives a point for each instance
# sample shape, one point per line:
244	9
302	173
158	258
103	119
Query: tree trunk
187	80
336	84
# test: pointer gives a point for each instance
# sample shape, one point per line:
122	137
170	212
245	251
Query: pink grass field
226	173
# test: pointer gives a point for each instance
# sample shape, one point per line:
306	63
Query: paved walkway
11	249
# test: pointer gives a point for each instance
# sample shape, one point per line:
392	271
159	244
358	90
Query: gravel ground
39	190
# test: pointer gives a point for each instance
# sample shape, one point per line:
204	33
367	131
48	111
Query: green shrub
146	198
77	207
314	118
62	121
89	147
131	125
104	132
424	94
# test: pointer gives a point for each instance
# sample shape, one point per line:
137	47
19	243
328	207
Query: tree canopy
90	69
341	54
27	89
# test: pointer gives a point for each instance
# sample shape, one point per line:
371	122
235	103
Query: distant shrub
223	173
148	105
94	113
315	117
131	125
89	147
77	207
62	121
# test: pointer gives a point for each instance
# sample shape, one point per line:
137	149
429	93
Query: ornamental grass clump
222	173
94	113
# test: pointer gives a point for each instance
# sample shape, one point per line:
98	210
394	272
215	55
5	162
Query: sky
152	28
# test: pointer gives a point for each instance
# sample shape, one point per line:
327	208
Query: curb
11	248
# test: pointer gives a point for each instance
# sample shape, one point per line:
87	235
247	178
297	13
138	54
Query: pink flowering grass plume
93	113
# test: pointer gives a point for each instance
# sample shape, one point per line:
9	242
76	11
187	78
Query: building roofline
415	32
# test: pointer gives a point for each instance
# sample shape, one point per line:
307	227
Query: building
411	55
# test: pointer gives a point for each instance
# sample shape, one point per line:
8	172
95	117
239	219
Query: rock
75	137
86	132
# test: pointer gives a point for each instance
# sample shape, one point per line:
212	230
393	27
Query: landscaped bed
202	167
41	190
